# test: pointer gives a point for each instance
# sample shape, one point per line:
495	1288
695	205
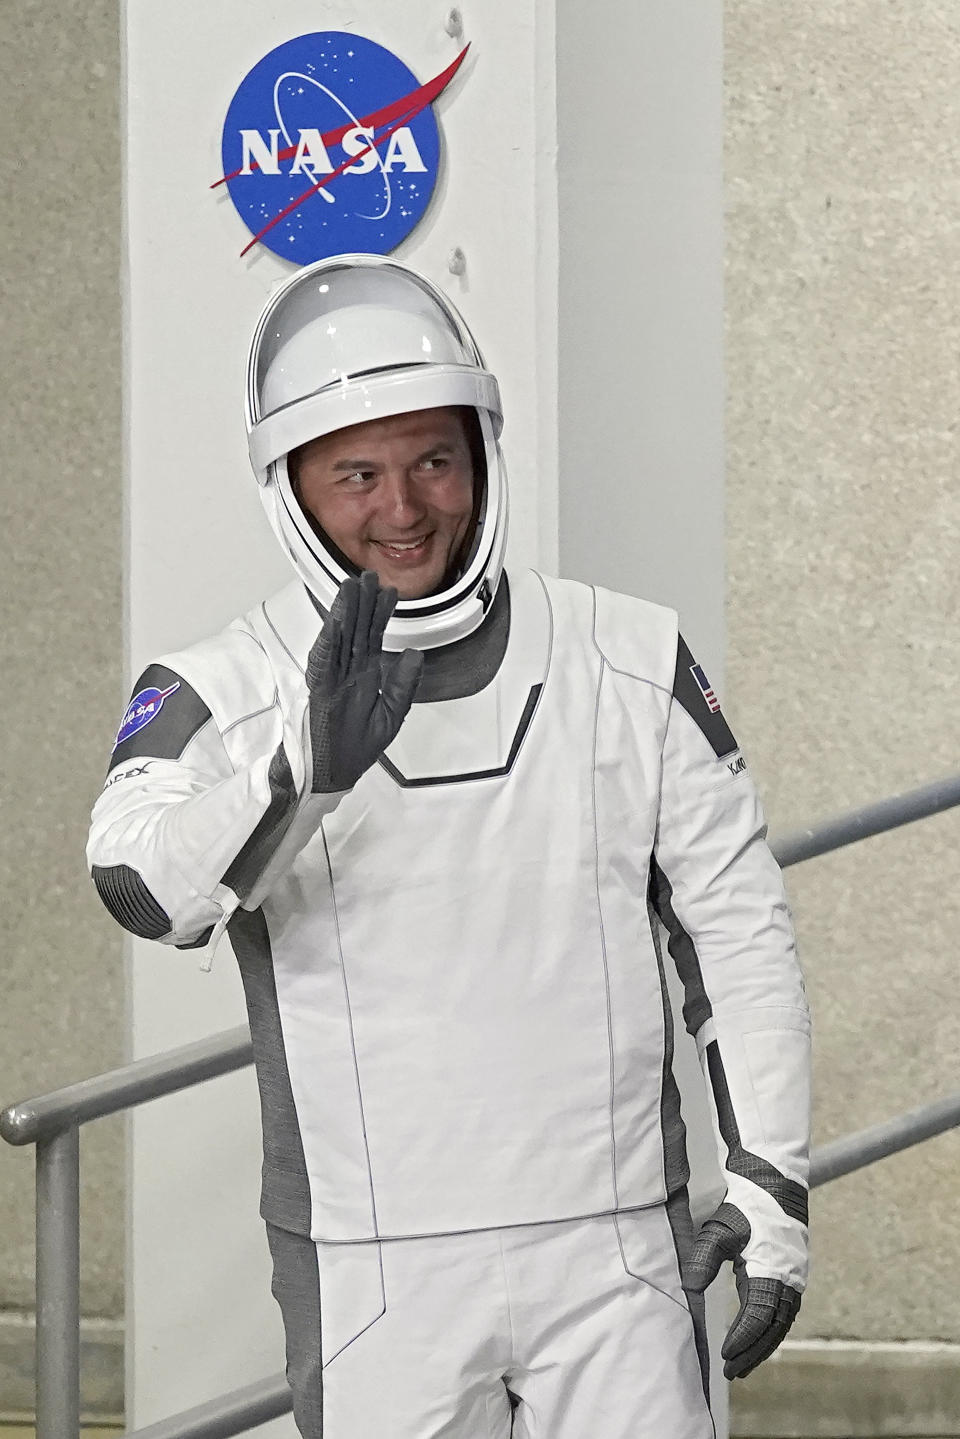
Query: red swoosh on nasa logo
407	108
156	705
157	700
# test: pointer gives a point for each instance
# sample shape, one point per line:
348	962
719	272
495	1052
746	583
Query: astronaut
443	814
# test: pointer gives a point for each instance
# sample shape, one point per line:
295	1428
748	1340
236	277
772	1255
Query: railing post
58	1285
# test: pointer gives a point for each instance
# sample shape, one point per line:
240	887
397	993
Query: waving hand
359	697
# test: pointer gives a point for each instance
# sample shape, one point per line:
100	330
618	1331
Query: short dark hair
474	435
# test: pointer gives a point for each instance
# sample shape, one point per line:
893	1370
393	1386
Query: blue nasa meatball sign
331	146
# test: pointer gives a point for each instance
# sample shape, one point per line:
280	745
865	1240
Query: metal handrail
34	1120
230	1414
52	1122
869	819
855	1151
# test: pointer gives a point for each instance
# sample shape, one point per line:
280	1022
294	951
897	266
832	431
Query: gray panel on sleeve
676	1166
789	1194
285	1196
244	871
696	1005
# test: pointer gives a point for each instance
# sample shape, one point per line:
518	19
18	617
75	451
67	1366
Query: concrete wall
60	617
843	521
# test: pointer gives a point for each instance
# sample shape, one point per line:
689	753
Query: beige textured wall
843	307
60	596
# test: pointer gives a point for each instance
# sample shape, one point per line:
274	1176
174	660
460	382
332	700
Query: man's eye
434	463
359	477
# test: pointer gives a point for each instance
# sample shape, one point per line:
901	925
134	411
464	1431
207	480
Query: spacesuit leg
408	1338
606	1341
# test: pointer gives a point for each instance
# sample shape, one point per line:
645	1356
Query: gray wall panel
60	595
640	359
640	324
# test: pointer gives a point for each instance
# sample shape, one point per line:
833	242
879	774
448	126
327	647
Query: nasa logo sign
331	146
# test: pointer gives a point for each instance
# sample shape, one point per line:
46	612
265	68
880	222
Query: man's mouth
405	550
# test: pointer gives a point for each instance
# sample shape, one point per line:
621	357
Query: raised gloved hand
767	1306
359	697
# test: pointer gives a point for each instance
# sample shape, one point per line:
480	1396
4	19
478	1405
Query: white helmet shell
357	338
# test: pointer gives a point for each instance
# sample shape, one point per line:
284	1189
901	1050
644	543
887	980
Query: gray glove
359	697
767	1306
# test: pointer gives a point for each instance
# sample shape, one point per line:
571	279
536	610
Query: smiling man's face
394	495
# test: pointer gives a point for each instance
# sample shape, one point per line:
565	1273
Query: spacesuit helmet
356	338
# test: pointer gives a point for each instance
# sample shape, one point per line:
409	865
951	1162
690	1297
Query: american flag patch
712	702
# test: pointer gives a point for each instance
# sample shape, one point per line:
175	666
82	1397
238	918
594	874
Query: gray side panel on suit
296	1288
285	1198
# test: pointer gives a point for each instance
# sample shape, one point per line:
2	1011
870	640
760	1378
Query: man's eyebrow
349	466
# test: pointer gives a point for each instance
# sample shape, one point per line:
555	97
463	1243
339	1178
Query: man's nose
401	501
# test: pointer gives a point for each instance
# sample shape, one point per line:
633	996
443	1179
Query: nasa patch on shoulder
161	718
144	707
694	692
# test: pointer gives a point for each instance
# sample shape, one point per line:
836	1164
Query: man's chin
411	582
408	589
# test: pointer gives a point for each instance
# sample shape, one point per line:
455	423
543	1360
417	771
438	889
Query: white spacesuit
474	1164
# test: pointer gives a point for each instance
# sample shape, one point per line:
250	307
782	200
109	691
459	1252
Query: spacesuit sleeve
180	838
719	892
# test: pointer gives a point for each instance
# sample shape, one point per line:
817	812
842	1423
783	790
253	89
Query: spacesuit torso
466	974
453	971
